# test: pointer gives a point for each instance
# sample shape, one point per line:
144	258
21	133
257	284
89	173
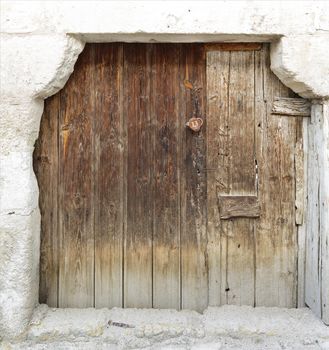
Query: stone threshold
226	327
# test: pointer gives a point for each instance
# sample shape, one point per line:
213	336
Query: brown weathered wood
109	158
238	206
138	238
242	177
154	213
46	169
76	206
194	190
218	69
167	120
297	107
233	46
276	238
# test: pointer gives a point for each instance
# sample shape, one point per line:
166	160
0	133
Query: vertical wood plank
313	239
138	240
46	169
218	69
194	192
301	160
165	96
276	237
109	157
242	177
76	272
324	200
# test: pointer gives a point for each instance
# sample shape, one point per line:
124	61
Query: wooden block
238	206
291	106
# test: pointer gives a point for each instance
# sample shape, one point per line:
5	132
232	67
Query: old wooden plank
109	157
276	237
324	211
289	106
302	228
299	173
238	206
313	238
76	271
242	177
194	192
233	46
217	169
167	119
138	239
46	169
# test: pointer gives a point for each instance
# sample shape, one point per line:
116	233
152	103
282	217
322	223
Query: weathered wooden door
138	210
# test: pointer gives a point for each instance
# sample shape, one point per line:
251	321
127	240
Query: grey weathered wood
324	210
302	228
313	240
299	171
298	107
238	206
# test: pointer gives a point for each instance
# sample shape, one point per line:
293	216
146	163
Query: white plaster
40	42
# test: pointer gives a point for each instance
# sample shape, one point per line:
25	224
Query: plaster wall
40	42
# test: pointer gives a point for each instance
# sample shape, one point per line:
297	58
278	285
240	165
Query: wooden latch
296	107
238	206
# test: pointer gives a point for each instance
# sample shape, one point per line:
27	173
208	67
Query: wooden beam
238	206
233	46
297	107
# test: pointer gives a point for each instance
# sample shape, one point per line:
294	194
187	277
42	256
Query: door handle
195	124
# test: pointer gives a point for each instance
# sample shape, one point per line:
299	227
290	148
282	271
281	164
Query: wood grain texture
313	241
299	173
276	237
238	206
218	70
109	177
76	220
194	191
233	46
139	234
46	169
166	220
242	177
324	223
302	228
140	211
298	107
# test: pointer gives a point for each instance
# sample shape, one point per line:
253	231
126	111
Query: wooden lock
195	124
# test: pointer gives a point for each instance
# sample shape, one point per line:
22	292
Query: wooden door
138	210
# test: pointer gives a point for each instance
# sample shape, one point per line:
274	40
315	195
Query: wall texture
40	42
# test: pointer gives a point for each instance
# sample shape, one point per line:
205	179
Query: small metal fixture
195	124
